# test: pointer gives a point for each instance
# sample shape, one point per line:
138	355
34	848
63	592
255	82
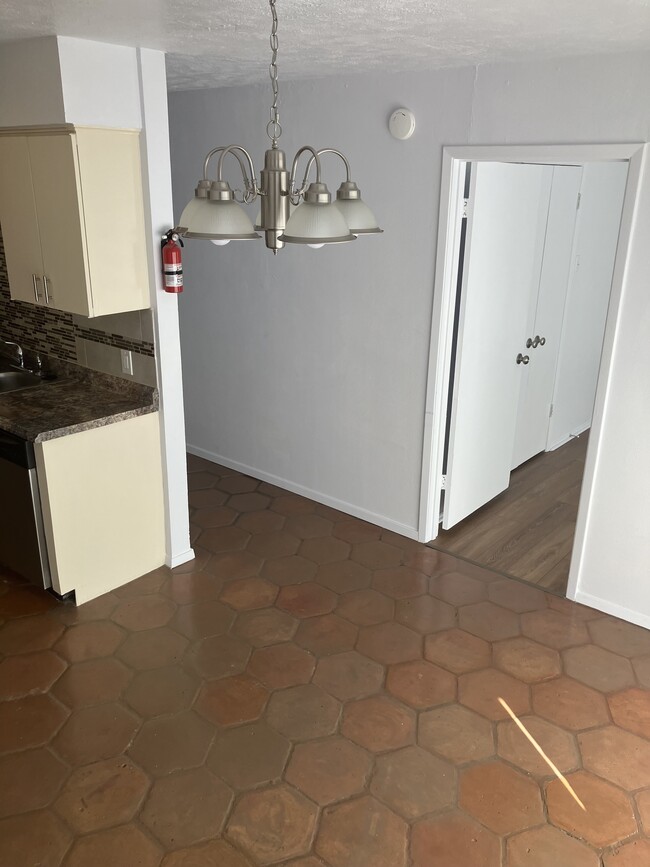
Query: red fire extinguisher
172	262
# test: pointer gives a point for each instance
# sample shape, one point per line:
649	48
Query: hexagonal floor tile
330	770
152	649
30	781
264	627
349	675
617	756
237	484
161	691
355	531
230	565
457	589
456	733
273	824
480	691
89	641
101	795
303	712
516	595
124	845
344	576
250	502
630	710
232	700
607	818
488	621
249	593
289	570
324	549
630	855
454	840
201	619
215	853
389	643
602	669
29	673
526	660
34	838
292	504
217	516
219	656
378	724
144	612
306	600
425	614
94	733
261	522
364	833
414	783
29	634
308	526
249	755
554	628
365	607
457	651
92	682
400	582
282	665
558	744
29	722
570	704
186	807
172	743
326	635
278	543
620	637
547	845
220	539
421	684
502	799
376	555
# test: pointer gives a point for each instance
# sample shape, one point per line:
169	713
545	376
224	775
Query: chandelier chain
273	128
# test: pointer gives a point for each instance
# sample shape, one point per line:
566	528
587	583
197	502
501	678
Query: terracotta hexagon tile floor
315	691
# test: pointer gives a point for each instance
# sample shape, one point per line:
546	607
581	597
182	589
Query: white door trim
454	159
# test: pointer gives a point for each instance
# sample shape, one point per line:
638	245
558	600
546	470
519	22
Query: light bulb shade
216	221
316	223
358	216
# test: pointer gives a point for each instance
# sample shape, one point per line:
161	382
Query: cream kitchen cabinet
103	505
72	219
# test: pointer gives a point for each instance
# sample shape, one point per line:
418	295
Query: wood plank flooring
527	531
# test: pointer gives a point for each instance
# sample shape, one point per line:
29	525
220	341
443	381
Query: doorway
503	414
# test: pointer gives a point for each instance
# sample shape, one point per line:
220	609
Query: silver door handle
538	341
522	359
35	280
48	296
542	341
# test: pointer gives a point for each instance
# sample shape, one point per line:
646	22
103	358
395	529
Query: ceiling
212	43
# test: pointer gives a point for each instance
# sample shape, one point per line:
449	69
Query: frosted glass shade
358	216
216	221
316	223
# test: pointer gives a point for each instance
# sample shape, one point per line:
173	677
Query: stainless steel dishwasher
22	536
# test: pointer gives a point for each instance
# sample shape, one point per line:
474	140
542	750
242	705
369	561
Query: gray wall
311	367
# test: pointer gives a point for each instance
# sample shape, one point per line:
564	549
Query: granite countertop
78	399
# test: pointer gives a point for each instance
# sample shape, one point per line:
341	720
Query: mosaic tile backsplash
93	343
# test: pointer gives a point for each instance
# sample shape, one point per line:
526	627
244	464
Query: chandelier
289	213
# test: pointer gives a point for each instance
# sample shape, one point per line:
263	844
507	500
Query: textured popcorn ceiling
213	43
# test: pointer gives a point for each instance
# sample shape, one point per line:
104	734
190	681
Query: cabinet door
59	208
18	220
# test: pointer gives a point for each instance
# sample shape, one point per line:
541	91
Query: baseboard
179	559
325	499
612	608
569	437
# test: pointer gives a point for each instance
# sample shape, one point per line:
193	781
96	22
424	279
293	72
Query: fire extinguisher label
174	278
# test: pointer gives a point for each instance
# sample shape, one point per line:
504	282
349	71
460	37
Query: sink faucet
19	351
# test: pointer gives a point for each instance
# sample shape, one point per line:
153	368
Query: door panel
60	221
545	316
18	219
506	221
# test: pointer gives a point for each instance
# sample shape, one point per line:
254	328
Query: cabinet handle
35	280
48	296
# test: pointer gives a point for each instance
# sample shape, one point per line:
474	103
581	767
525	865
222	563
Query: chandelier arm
314	158
249	183
320	154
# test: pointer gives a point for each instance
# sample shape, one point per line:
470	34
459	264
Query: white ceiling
212	43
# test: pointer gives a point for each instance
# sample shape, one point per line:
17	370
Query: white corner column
157	186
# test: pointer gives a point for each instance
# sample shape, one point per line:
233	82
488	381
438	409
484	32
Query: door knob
522	359
542	341
534	343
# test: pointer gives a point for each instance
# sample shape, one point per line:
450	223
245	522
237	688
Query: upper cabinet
72	220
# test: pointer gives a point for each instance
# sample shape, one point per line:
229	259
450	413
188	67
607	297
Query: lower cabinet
103	510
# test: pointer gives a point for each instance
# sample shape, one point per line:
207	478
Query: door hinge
578	202
550	411
465	206
443	482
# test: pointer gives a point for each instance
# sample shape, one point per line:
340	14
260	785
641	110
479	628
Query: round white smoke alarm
401	123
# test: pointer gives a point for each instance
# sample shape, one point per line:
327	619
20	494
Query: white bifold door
506	223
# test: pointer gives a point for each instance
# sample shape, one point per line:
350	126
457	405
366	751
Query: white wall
587	299
30	84
311	366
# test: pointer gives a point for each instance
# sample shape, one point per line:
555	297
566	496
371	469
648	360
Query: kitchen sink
13	380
